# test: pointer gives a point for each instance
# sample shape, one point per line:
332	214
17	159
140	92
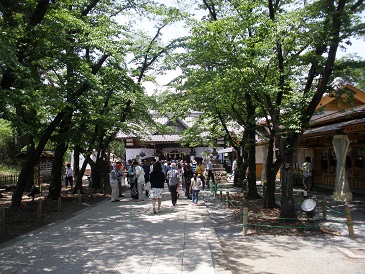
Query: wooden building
339	121
341	116
167	146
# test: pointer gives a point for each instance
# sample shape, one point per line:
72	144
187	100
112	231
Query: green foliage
51	66
6	143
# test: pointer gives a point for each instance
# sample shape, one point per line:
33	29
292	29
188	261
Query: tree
38	77
287	56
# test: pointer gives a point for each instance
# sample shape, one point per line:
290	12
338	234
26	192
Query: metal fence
8	180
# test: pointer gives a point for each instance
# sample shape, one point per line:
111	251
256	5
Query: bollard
79	196
220	192
245	222
227	199
349	222
241	212
324	209
2	221
91	192
39	212
59	205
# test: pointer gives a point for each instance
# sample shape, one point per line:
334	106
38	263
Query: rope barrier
278	226
244	217
338	212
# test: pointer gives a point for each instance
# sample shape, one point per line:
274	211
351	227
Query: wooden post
90	191
220	192
79	196
39	216
59	205
241	212
227	199
2	221
324	209
349	222
245	221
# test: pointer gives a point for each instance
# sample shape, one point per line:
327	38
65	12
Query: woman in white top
195	187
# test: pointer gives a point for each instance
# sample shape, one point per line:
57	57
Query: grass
8	170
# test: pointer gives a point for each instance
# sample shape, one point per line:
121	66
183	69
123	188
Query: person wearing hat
173	179
120	177
113	178
193	166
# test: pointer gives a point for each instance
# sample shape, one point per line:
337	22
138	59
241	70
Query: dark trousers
210	175
173	194
67	180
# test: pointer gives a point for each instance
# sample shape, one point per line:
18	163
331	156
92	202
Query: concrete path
122	237
126	237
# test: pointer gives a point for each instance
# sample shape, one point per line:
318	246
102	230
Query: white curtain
342	190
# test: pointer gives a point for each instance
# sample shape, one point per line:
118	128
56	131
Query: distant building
166	146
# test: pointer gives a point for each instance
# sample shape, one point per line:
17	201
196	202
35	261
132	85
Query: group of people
149	179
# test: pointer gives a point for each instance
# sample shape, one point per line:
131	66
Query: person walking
157	180
199	171
210	170
147	170
139	178
188	174
168	168
195	187
68	176
234	167
173	178
307	174
114	184
120	177
132	182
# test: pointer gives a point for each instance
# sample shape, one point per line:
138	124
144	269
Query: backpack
174	177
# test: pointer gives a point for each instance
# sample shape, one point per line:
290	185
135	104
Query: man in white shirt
68	176
234	167
210	170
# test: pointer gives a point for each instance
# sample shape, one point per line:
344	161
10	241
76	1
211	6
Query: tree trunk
287	198
57	165
251	175
76	165
80	175
31	161
240	175
103	168
269	200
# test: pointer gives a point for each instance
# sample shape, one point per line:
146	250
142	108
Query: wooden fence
8	180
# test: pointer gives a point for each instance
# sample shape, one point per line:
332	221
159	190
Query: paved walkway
122	237
126	237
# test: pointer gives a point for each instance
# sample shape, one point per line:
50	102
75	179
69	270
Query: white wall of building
149	152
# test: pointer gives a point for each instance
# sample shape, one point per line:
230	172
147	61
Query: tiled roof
330	129
338	114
